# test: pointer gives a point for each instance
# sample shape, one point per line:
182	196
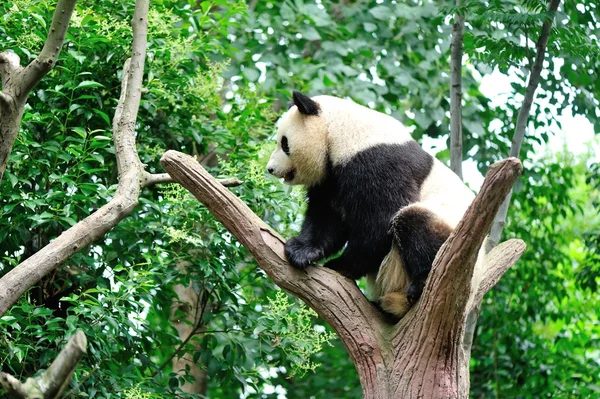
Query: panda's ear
305	104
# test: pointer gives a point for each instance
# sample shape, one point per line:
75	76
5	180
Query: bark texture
17	82
420	357
522	118
189	304
52	382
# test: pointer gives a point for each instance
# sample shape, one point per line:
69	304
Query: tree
387	368
137	263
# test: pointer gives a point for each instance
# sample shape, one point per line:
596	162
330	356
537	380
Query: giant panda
371	191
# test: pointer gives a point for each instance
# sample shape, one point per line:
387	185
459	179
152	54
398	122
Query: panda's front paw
301	255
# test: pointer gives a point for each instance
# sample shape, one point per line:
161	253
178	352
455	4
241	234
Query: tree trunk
422	356
188	302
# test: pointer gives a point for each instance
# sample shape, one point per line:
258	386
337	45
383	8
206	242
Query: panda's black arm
322	233
367	246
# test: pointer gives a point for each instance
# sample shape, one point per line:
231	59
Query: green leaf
77	55
88	83
310	33
80	131
13	179
103	115
380	12
252	74
369	27
40	19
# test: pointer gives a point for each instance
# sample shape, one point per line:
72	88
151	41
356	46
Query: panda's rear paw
415	289
301	255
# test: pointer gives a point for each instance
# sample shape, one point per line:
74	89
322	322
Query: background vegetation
218	75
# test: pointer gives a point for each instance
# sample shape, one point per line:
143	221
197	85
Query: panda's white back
445	194
353	128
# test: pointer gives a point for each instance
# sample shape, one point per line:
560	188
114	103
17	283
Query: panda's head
324	129
301	153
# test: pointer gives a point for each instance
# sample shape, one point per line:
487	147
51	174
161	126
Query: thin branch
456	51
38	68
92	228
497	262
521	126
197	326
124	122
151	179
52	382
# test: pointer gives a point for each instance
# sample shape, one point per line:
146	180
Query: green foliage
137	393
294	331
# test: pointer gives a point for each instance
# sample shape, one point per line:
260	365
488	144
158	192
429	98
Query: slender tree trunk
187	303
456	52
522	118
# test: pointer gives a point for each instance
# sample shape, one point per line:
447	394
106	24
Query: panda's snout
270	170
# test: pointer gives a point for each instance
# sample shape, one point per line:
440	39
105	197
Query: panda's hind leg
394	304
419	234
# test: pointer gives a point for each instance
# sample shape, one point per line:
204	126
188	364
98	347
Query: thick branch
456	52
52	382
336	299
92	228
521	126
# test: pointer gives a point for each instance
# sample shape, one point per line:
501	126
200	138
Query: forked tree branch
92	228
456	53
522	118
18	82
387	357
52	382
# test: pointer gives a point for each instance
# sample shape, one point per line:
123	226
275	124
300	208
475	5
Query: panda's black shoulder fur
357	200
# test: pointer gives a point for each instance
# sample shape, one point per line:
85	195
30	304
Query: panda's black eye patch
285	146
